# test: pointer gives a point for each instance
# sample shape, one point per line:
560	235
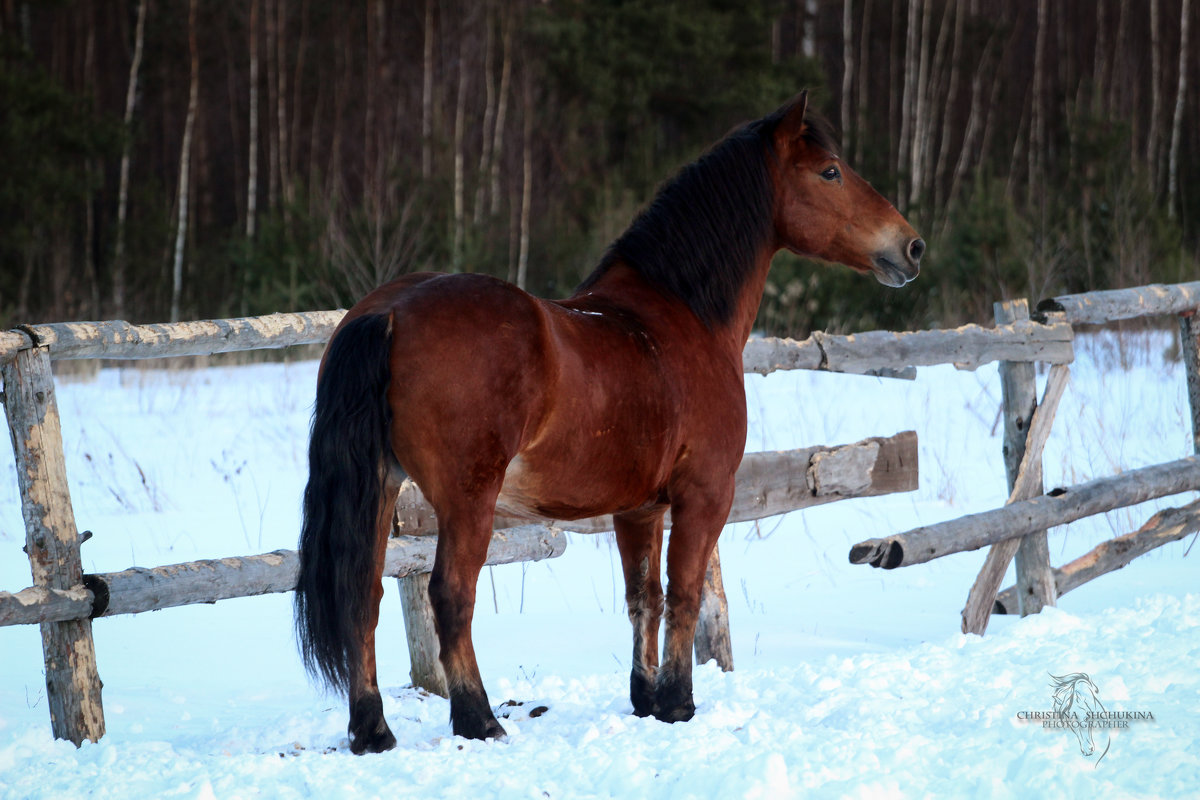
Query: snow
849	681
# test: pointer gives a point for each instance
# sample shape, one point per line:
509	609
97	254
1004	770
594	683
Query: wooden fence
64	600
1019	528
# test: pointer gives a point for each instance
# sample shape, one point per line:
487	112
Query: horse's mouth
889	273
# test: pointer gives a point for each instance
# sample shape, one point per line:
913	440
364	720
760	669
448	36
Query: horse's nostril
916	249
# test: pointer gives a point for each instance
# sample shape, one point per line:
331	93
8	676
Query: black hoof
674	699
680	713
369	732
471	717
480	729
641	694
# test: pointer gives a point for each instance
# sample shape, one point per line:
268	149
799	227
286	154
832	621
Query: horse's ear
792	124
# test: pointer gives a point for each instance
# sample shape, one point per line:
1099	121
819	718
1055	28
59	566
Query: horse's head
823	209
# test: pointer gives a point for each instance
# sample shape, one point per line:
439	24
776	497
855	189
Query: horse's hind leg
464	532
696	525
369	732
639	540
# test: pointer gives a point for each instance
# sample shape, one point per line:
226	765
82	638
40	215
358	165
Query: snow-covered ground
850	681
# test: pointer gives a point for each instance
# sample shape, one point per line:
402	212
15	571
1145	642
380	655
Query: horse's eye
832	174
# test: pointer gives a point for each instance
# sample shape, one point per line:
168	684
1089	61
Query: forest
185	159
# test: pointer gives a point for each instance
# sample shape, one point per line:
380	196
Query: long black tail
345	485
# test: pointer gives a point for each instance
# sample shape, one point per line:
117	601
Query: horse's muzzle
898	268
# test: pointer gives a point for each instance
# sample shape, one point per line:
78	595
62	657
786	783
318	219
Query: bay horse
626	398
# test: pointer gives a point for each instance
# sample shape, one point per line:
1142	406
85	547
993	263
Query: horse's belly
573	489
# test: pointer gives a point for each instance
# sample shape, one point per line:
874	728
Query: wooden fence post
52	542
1018	384
423	646
1189	349
712	627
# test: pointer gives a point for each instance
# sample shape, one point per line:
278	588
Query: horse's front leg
368	730
464	532
697	517
639	540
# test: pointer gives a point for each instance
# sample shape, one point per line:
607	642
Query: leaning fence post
1018	384
52	542
1189	348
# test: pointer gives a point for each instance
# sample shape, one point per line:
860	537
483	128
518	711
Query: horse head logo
1075	696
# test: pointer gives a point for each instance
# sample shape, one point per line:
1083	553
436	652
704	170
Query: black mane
698	238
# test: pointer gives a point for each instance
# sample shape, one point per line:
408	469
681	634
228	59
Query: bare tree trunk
527	180
118	269
847	67
907	100
1037	124
920	117
1118	60
185	165
1156	68
489	114
501	107
943	159
252	180
272	94
1180	93
864	70
427	96
281	44
460	113
1100	59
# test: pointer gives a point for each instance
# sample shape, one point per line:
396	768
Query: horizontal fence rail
1094	308
138	589
968	347
885	353
1024	517
120	340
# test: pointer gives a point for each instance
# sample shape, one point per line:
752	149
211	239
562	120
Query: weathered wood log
871	353
967	347
767	483
1189	348
52	543
119	339
139	589
1026	482
712	642
1117	304
1168	525
1019	519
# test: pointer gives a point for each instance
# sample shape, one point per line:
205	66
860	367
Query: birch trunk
526	181
427	96
252	179
1037	124
1180	94
916	161
501	108
864	70
847	67
489	114
118	269
460	113
907	100
185	165
1156	68
943	159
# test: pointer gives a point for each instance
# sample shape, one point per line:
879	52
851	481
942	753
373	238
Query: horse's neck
749	299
